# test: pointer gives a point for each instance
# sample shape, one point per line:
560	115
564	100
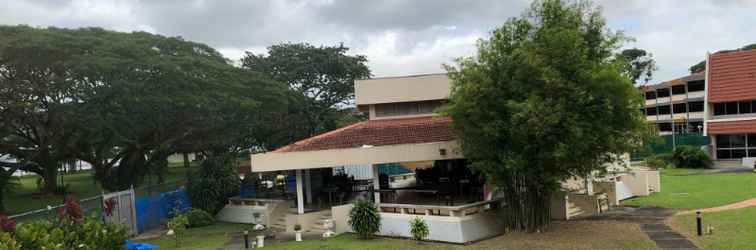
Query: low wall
341	218
559	206
444	228
241	214
306	220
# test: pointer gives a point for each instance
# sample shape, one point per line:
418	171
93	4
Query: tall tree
638	63
322	79
544	100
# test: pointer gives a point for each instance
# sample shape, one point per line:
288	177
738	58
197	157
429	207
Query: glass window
723	141
752	152
737	141
651	111
695	127
662	92
719	109
745	107
738	153
650	95
665	127
753	106
723	154
696	85
664	110
752	140
680	108
696	106
731	108
678	90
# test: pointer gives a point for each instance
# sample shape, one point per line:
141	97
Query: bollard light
246	239
699	227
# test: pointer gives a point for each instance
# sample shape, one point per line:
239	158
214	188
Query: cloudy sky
399	37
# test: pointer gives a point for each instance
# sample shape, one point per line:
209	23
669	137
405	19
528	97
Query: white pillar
300	198
376	183
589	185
308	187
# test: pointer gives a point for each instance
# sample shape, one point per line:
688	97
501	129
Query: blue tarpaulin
152	211
140	246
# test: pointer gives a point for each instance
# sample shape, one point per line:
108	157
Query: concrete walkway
652	223
737	205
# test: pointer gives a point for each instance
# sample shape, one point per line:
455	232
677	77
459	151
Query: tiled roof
745	126
732	76
379	133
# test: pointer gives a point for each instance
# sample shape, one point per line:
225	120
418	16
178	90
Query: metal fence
91	206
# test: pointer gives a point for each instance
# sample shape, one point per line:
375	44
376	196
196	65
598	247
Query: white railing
253	201
451	211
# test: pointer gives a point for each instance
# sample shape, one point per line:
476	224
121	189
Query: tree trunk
186	160
528	206
51	178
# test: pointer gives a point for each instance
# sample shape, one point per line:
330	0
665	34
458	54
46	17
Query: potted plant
298	232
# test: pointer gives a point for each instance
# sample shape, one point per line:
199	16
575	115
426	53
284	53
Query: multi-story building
731	105
676	106
719	102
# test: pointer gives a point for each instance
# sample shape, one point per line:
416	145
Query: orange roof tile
747	126
379	133
732	76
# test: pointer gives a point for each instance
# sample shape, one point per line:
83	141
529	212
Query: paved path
652	223
742	204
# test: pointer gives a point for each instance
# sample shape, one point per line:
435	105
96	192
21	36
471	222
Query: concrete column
376	183
308	187
589	185
300	193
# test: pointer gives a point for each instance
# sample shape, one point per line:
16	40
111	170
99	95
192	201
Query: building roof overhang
733	126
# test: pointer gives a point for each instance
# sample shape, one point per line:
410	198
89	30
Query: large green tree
321	78
639	64
124	101
543	100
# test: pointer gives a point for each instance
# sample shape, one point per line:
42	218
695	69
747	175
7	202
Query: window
695	127
650	95
664	127
664	110
736	146
406	108
719	108
678	90
696	86
696	106
744	107
651	111
643	111
662	93
679	108
731	108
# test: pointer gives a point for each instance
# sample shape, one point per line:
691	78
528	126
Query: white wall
445	229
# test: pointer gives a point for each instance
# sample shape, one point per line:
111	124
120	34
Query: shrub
419	229
178	224
7	224
686	156
297	227
215	181
364	218
8	243
90	233
71	210
659	161
198	218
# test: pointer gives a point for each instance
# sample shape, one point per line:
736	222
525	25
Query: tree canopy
322	79
638	63
544	99
124	101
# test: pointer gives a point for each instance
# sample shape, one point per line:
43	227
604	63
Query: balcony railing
450	211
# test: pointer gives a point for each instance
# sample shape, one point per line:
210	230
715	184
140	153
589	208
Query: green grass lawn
733	229
562	235
682	191
209	237
26	197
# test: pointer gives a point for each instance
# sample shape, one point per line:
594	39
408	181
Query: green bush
8	243
178	224
90	233
198	218
214	182
659	161
419	229
685	156
364	218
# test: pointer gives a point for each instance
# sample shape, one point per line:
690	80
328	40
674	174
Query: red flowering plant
71	210
7	224
110	204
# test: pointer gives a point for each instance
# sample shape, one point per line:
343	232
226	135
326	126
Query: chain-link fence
91	206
